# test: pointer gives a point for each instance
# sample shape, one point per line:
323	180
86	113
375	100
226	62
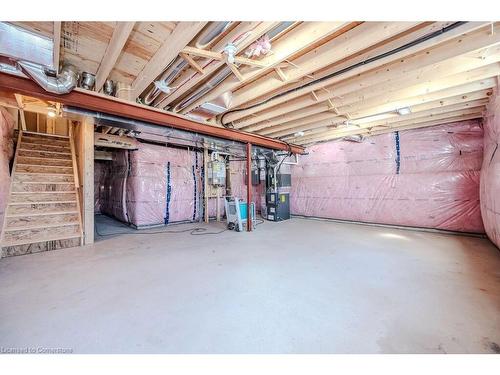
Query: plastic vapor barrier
490	172
6	154
100	171
425	177
158	185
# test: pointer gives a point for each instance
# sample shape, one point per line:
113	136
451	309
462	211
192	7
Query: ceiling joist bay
317	81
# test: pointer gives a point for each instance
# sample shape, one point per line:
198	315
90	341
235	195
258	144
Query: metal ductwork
207	87
224	73
11	69
210	34
173	70
145	131
63	83
168	76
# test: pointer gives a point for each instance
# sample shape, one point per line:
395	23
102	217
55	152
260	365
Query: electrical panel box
284	180
278	206
255	177
216	173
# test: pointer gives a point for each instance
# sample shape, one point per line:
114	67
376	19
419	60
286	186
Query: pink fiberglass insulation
422	178
100	171
490	172
134	185
6	153
147	185
113	187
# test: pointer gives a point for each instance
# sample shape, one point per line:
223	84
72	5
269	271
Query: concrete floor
299	286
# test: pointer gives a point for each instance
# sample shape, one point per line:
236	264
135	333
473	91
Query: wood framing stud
192	63
20	104
115	141
57	45
103	155
120	36
183	33
203	53
103	103
235	71
331	107
220	56
281	74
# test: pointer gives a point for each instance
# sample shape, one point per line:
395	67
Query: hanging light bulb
163	87
230	51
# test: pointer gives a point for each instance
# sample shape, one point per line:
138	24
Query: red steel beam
118	107
249	186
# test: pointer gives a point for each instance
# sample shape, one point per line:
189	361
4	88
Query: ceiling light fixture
403	111
213	108
163	87
299	134
230	51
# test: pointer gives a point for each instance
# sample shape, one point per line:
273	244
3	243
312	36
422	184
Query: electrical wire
197	231
348	68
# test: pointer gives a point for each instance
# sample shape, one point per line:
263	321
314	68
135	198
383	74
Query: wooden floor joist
102	103
287	77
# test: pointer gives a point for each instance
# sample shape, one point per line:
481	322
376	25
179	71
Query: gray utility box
216	173
254	176
278	206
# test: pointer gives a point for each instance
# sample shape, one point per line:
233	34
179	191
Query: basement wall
133	187
421	178
6	154
490	172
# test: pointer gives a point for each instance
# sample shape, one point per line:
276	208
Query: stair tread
45	182
40	239
51	152
44	166
38	158
39	202
42	226
45	192
43	213
51	174
41	141
25	132
45	144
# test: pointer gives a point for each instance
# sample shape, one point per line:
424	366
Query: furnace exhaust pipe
63	83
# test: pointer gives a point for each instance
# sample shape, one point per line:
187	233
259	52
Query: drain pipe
63	83
178	65
225	72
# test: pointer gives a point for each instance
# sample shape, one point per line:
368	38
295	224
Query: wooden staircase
43	209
